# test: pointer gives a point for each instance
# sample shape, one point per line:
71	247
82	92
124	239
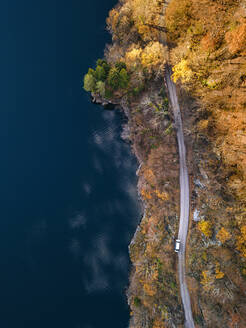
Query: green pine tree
124	79
100	87
114	78
100	74
89	83
120	65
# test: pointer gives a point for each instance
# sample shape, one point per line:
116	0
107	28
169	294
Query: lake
68	185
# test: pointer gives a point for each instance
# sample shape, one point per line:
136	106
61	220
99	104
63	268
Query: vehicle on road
177	245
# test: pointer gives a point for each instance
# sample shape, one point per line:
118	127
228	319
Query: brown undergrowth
208	51
207	42
216	268
153	292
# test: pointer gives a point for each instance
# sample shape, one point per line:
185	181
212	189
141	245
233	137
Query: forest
205	42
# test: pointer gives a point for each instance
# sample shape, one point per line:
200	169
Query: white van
177	245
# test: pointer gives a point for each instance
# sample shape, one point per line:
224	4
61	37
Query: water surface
67	192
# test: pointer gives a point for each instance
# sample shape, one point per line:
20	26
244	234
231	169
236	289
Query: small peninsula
201	46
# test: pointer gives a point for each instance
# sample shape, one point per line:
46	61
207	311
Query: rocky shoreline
159	194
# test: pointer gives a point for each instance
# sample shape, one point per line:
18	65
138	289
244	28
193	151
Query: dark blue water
67	181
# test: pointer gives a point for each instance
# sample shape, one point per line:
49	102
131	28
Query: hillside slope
207	48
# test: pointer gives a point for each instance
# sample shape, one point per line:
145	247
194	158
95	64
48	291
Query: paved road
184	199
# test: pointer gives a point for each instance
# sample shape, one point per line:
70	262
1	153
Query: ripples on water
68	197
102	230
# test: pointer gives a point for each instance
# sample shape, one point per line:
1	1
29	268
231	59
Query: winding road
184	199
183	182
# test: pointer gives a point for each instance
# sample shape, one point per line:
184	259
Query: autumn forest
205	43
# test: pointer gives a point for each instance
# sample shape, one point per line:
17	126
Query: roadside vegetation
208	52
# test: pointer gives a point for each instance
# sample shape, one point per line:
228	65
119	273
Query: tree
113	20
100	87
236	39
106	67
207	280
124	79
223	235
205	228
114	78
158	324
119	65
182	71
119	22
103	63
154	57
178	17
133	57
100	73
100	62
89	83
92	72
146	14
218	274
136	301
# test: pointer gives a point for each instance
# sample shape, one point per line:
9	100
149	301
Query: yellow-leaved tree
223	235
119	22
133	57
205	228
182	71
146	15
154	57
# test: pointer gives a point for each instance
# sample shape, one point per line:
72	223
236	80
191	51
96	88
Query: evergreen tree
103	63
100	74
100	87
92	72
120	65
100	62
124	78
114	78
106	67
89	83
